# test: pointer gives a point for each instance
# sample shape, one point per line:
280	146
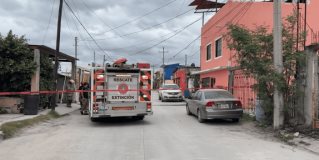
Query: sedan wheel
187	110
236	120
199	117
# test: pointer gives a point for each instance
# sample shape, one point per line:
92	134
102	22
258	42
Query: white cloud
31	18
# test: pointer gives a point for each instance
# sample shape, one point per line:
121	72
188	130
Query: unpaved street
167	135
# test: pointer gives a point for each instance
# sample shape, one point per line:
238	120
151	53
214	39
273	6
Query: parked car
170	92
214	104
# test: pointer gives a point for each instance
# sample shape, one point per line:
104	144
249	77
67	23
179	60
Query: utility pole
163	55
94	59
278	64
164	64
57	50
203	19
76	57
76	47
153	77
104	60
185	59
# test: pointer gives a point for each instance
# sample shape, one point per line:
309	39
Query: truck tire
94	119
138	117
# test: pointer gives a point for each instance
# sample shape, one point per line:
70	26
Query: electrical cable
47	28
148	28
141	51
137	18
109	57
246	6
187	46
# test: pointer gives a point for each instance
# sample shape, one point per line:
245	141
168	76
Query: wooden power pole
57	50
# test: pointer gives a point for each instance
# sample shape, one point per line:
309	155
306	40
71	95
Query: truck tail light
210	104
95	108
149	107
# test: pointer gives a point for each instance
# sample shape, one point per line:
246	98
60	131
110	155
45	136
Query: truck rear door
123	87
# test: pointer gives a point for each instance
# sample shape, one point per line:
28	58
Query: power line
47	28
148	28
145	42
79	32
137	18
90	10
186	46
168	37
245	7
87	31
83	2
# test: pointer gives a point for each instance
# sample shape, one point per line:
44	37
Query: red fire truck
121	90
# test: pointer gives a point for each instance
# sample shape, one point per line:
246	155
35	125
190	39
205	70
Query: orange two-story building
217	61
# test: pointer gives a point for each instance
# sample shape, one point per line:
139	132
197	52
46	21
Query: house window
212	82
208	52
208	82
218	47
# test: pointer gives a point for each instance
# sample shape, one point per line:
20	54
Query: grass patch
11	128
247	118
3	111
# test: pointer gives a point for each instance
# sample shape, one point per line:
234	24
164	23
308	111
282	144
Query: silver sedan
214	104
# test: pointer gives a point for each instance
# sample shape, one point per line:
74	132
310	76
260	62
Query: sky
135	29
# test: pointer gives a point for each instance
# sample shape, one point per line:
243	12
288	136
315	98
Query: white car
170	92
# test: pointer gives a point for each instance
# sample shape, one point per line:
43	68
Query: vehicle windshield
217	94
170	86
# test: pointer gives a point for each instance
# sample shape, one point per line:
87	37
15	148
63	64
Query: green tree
254	55
16	63
46	78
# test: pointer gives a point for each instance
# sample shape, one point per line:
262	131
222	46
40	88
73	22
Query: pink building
216	59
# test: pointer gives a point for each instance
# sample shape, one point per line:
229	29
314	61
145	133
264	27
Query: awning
219	68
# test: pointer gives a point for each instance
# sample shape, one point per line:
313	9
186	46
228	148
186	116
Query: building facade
218	65
182	77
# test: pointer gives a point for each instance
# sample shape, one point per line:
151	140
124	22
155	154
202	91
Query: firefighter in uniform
85	98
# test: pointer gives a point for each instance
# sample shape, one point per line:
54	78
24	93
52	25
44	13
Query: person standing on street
81	95
85	98
70	88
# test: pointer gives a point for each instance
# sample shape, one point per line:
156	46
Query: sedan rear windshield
217	95
170	87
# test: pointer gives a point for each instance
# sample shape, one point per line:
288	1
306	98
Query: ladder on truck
97	88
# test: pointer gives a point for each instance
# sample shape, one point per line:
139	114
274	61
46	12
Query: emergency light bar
123	75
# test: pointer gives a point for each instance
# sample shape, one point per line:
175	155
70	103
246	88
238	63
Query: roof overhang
219	68
206	5
51	52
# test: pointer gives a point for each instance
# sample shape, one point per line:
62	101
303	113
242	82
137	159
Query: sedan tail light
238	104
210	104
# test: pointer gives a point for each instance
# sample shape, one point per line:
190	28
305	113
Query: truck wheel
138	117
94	119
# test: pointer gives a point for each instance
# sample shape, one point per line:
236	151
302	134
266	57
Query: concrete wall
11	104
